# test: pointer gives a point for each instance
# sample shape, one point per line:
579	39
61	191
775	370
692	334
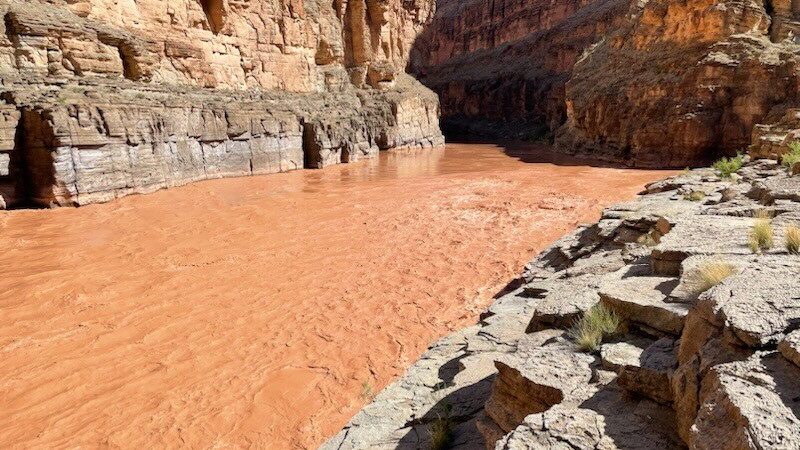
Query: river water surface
265	311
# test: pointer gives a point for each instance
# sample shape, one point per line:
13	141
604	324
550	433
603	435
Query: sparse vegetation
793	239
596	323
695	196
442	430
726	167
792	157
762	236
367	393
710	274
647	239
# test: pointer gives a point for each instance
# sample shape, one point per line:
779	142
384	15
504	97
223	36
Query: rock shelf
708	370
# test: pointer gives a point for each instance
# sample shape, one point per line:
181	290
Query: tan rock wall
235	44
105	98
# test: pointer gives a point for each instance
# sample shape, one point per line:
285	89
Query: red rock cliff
653	83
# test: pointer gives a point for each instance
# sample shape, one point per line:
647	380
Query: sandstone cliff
651	83
104	98
698	361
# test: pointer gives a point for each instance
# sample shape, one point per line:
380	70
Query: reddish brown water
253	311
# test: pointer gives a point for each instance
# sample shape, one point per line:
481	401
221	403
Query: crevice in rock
130	68
215	14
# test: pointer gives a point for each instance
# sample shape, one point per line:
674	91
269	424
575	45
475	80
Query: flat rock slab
701	235
606	422
562	307
615	356
782	187
642	300
758	306
750	404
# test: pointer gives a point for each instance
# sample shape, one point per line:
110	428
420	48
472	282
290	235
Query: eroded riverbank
264	310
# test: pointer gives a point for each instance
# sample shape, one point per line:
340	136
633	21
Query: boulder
751	404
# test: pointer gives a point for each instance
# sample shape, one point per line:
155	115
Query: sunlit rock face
650	83
103	98
294	45
682	82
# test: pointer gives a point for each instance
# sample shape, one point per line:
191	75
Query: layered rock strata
651	83
697	364
500	67
101	99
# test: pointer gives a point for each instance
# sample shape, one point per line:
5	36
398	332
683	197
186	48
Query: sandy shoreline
260	311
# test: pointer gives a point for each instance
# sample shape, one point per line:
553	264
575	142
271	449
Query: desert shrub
695	196
726	167
596	323
442	430
793	239
709	274
792	156
762	236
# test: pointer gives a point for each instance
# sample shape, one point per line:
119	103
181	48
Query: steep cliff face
106	98
650	83
683	81
500	66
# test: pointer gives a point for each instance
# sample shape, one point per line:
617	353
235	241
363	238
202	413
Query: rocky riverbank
705	354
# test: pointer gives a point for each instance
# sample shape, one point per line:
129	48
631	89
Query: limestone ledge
64	142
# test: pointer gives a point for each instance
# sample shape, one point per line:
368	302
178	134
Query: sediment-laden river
265	311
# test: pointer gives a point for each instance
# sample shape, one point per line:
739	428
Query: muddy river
265	311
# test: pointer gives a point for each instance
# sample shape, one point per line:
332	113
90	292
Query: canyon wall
650	83
105	98
500	67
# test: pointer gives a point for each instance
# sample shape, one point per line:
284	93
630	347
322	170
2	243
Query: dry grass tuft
762	236
710	274
442	430
588	332
793	239
367	393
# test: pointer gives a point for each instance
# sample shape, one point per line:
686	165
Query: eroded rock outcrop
706	366
651	83
103	98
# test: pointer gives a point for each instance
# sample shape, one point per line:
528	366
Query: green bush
792	156
695	196
596	323
726	167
